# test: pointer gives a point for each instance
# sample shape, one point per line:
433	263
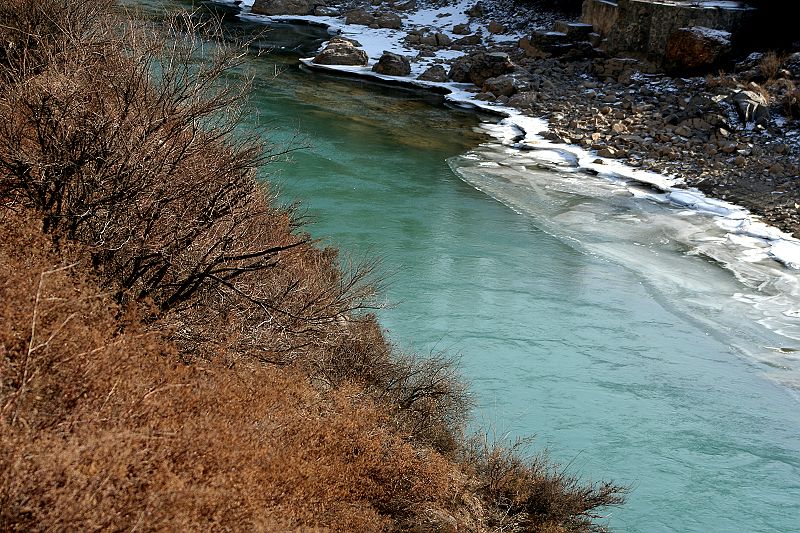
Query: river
575	313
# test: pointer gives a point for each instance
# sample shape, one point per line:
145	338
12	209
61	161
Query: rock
324	11
341	52
548	39
751	62
479	67
392	64
285	7
405	6
443	40
389	20
751	106
434	73
777	169
697	124
461	29
530	50
359	16
459	70
496	27
428	39
476	10
574	30
615	68
700	105
683	131
696	48
792	64
500	86
523	100
469	40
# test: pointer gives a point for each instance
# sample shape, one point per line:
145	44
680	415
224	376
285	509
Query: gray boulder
392	65
434	73
285	7
405	6
479	67
751	106
359	16
500	86
341	52
389	20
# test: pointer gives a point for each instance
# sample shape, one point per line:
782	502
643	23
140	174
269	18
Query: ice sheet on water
706	257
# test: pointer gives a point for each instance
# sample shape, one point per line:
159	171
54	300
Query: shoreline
534	132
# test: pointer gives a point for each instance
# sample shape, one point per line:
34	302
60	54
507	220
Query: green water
606	367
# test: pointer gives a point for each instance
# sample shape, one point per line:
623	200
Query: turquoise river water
648	372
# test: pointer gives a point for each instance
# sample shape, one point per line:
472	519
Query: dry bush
721	80
137	156
790	100
770	65
102	428
533	494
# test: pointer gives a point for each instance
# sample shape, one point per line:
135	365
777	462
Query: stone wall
644	26
601	14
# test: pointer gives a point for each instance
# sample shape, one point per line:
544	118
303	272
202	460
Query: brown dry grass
770	65
103	428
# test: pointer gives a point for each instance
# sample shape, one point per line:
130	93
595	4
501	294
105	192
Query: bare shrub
790	100
102	428
533	494
137	155
721	80
770	65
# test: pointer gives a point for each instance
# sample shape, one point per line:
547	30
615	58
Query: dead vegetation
175	352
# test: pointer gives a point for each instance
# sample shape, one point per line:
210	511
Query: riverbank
176	352
684	133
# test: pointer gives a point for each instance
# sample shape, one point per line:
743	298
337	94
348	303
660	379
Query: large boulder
434	73
696	48
751	106
792	64
341	52
285	7
359	16
389	20
392	65
500	86
478	67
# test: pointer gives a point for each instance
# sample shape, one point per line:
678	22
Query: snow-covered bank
737	220
763	258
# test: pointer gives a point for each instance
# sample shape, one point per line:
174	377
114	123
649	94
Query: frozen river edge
760	256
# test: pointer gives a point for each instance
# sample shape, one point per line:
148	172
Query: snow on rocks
603	117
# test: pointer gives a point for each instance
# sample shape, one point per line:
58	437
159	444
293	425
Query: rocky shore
734	136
